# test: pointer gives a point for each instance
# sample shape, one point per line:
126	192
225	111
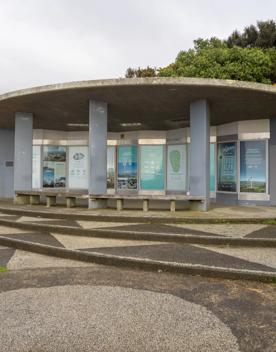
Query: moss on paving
2	269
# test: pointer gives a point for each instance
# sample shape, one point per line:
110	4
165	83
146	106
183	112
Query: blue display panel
212	168
152	173
177	167
54	166
253	166
127	167
227	167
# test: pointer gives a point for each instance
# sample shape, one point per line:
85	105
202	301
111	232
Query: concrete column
200	152
23	142
97	150
272	162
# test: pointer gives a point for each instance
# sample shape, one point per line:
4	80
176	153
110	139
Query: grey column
272	162
97	148
23	142
200	150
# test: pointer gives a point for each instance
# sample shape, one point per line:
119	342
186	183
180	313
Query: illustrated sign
253	166
111	157
78	167
127	167
54	166
227	167
152	167
36	176
176	167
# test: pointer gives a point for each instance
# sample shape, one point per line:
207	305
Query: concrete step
130	216
171	235
175	258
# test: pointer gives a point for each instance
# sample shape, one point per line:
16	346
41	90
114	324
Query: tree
141	72
261	36
213	59
248	56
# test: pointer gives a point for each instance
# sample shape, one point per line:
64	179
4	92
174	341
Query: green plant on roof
175	160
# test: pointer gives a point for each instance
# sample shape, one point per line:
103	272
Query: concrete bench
33	197
195	203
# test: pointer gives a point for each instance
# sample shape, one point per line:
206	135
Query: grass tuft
3	269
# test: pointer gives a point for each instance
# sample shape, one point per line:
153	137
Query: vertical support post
200	152
97	149
272	162
23	143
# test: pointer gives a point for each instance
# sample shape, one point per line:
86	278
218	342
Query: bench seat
195	202
33	197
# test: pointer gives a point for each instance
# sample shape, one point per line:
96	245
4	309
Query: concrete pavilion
210	138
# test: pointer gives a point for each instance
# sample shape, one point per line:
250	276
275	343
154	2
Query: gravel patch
27	260
99	318
100	224
231	230
76	242
265	256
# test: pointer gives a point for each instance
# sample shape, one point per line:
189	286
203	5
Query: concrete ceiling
156	103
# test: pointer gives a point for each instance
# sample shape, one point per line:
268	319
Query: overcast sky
50	41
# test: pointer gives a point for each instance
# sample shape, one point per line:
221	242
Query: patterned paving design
5	256
161	228
36	237
268	232
262	259
177	253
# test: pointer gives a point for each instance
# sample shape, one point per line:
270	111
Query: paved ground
257	259
51	304
101	308
216	211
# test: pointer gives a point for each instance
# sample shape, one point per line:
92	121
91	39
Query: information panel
36	175
227	167
110	171
127	167
152	167
212	168
253	167
54	166
176	167
78	167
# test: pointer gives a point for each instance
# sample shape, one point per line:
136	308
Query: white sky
50	41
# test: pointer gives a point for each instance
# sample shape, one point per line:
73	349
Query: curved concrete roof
157	103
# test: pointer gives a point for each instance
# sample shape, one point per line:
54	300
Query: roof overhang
155	103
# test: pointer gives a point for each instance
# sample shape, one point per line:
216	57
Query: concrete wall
6	163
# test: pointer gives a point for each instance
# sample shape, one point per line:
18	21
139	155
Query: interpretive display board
36	175
78	167
176	167
253	166
212	168
54	166
227	167
111	158
152	167
127	167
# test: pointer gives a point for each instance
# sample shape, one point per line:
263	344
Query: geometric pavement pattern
259	259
